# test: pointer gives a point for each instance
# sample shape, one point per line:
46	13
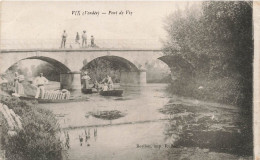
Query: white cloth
64	36
86	77
41	81
84	36
41	90
105	88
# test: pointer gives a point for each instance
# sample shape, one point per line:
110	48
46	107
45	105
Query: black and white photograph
129	80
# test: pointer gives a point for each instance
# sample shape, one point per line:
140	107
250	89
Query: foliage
157	72
49	71
37	140
108	115
217	129
217	40
99	68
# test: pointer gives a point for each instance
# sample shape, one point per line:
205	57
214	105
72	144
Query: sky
40	24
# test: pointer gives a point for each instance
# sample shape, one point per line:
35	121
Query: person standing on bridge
84	39
92	41
77	39
40	82
63	39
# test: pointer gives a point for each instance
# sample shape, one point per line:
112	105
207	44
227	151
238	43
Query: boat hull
89	91
86	91
117	93
49	100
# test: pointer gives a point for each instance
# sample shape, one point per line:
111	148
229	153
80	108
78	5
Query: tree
99	68
217	39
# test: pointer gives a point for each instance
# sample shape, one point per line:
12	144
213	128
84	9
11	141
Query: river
141	134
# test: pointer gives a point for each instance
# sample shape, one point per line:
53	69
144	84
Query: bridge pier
70	81
133	78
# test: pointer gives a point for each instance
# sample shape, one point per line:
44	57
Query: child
105	87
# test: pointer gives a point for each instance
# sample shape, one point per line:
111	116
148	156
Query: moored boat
48	100
86	91
115	92
89	91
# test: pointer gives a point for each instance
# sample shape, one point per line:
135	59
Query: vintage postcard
127	80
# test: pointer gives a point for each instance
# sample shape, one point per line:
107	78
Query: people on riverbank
40	82
63	39
18	87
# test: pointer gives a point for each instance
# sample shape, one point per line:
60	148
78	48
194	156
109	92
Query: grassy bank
38	139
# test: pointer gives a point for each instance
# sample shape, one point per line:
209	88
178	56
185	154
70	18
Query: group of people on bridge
64	37
105	85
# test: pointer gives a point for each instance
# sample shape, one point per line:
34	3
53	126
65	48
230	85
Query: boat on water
114	92
48	100
86	91
89	91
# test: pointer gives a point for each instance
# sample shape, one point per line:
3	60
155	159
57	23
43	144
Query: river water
141	134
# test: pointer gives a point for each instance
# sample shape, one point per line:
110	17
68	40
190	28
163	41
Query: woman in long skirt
85	79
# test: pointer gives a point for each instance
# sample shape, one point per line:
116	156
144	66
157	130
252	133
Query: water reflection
215	129
150	129
145	100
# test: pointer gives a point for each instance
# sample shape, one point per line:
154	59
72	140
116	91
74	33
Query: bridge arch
57	64
117	61
176	60
130	74
177	64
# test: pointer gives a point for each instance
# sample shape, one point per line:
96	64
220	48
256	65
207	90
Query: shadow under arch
118	61
58	65
176	61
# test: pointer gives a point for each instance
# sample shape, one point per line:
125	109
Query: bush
38	140
223	90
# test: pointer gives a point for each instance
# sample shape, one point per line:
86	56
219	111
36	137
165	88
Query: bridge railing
70	43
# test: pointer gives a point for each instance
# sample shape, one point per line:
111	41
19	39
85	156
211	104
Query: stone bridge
71	61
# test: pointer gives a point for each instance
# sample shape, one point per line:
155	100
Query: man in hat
77	39
40	82
84	39
85	79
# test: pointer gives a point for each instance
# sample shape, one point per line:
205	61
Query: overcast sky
36	22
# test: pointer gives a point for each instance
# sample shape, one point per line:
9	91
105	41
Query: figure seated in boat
40	81
109	82
96	87
105	87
